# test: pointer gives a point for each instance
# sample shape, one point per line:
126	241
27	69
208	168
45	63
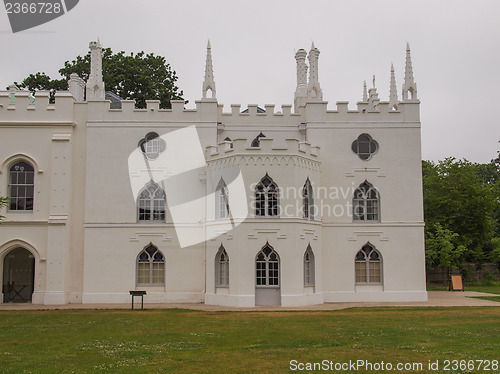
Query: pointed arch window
364	146
267	267
309	276
308	200
366	203
256	141
266	198
222	200
368	265
151	203
21	186
222	268
150	267
228	139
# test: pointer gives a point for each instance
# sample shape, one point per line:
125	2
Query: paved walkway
436	298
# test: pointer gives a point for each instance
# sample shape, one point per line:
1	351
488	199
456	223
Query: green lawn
181	341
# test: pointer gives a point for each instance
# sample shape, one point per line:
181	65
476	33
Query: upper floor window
308	199
150	267
256	141
365	203
364	146
228	139
368	265
222	268
152	145
309	267
151	203
266	198
222	200
21	186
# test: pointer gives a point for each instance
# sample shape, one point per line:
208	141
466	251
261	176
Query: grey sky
455	50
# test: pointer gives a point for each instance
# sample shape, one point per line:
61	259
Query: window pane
375	271
360	271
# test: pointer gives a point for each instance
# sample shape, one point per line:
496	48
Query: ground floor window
267	267
368	265
222	268
150	267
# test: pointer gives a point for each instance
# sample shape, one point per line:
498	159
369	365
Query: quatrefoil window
364	146
152	145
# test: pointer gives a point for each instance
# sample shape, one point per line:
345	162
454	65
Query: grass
487	287
181	341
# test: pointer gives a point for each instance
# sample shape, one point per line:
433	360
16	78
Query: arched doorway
267	281
18	276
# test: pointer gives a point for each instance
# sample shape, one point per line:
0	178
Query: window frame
221	268
152	199
367	251
267	198
263	269
13	205
357	145
369	206
222	200
151	269
308	208
309	268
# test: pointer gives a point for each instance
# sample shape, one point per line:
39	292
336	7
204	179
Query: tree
138	77
442	250
457	199
3	204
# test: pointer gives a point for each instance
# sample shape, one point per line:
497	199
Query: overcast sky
455	51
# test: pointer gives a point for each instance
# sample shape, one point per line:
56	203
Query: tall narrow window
267	267
266	198
309	267
150	267
222	200
21	186
222	268
368	265
365	203
308	200
151	203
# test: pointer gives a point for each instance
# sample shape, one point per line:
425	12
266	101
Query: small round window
364	146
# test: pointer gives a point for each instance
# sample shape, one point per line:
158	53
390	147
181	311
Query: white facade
90	240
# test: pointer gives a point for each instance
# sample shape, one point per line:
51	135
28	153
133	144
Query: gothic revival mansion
238	206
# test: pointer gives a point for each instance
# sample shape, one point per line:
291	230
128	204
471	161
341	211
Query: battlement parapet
21	106
292	147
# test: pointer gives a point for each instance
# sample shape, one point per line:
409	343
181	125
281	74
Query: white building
330	208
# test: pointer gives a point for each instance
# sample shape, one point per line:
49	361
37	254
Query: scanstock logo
175	163
25	14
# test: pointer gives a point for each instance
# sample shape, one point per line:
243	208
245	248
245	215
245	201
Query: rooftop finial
301	90
409	84
314	91
209	82
393	94
365	92
95	84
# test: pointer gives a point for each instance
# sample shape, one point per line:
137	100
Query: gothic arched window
150	267
21	186
222	200
256	141
151	203
309	276
366	203
267	267
222	268
368	265
308	200
266	198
